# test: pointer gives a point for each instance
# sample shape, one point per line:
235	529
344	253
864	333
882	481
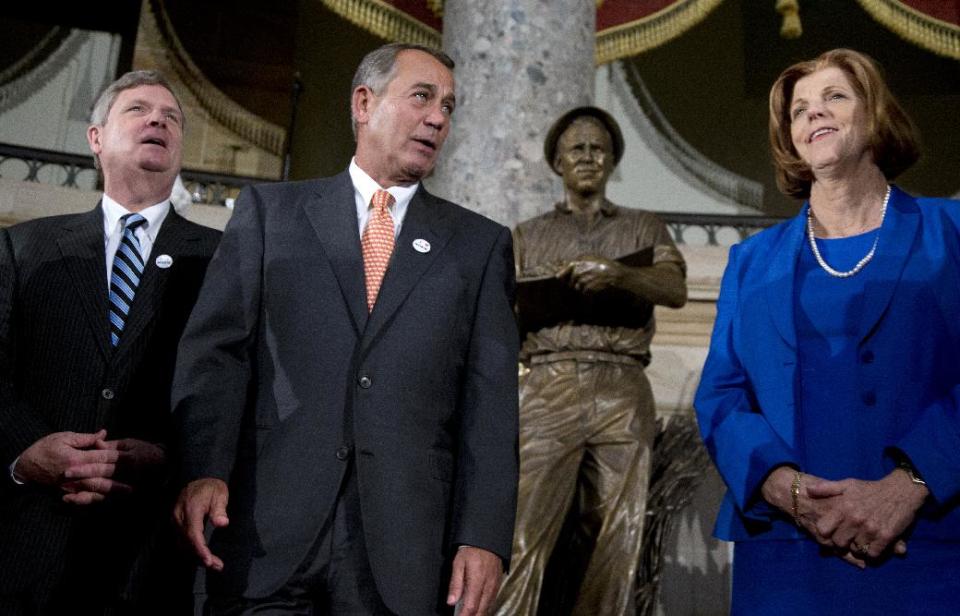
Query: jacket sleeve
19	427
933	447
932	443
485	498
214	363
743	445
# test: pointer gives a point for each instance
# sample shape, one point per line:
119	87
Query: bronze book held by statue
545	301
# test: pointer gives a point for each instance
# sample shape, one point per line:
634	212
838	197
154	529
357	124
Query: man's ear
556	164
93	138
361	104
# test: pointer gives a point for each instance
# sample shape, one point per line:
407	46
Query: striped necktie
377	244
125	276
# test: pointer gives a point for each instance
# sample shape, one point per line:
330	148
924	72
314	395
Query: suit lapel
173	240
779	278
333	215
82	246
897	236
425	220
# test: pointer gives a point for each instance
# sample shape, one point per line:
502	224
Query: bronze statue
589	273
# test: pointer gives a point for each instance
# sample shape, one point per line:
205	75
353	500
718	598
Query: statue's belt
590	356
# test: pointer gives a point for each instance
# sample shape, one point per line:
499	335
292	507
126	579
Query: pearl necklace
862	262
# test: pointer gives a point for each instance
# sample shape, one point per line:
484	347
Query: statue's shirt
543	245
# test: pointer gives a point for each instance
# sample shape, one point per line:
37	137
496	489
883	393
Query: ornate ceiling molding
649	31
624	27
388	21
44	62
259	131
920	24
48	44
674	151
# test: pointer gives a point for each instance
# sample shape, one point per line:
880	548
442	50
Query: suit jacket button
365	382
867	357
343	452
107	393
869	398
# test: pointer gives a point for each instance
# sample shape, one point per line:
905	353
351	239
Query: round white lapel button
164	261
421	245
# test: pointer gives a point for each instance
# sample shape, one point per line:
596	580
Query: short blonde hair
893	138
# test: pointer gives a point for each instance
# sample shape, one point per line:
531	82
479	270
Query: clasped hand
87	467
860	520
590	273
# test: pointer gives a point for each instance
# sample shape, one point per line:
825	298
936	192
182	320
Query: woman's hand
777	490
867	517
822	505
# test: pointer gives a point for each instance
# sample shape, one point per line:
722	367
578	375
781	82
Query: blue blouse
836	427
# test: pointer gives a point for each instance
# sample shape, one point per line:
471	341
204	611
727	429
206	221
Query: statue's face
584	156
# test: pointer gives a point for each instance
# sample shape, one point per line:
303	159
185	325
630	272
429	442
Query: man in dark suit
91	308
367	430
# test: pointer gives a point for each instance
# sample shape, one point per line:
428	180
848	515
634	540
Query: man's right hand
199	500
47	461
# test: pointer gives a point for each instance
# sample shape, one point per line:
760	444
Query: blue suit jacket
907	375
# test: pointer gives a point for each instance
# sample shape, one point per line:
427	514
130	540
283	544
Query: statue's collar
607	209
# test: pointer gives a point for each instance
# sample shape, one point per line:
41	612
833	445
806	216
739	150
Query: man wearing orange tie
347	390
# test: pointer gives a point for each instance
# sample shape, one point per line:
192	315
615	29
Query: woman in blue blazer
830	398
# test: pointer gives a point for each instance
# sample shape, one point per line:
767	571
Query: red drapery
944	10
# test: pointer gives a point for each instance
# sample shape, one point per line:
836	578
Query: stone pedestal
520	64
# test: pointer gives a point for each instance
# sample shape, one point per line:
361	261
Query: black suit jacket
284	377
58	372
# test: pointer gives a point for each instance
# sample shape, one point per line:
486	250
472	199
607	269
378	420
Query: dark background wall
245	47
253	51
328	51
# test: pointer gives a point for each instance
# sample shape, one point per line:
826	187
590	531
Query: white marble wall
520	65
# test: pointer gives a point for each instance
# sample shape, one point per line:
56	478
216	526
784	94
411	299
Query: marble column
520	64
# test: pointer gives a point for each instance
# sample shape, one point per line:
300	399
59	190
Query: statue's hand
589	273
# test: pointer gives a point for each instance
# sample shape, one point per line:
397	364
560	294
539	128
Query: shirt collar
366	186
607	209
113	212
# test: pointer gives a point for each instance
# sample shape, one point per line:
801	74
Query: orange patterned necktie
377	243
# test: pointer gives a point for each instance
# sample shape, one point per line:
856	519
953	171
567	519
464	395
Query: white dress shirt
146	233
365	186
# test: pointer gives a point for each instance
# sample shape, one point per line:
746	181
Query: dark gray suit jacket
283	372
58	372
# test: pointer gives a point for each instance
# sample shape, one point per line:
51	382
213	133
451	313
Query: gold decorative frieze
932	34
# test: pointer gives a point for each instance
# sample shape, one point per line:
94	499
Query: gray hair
377	68
133	79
